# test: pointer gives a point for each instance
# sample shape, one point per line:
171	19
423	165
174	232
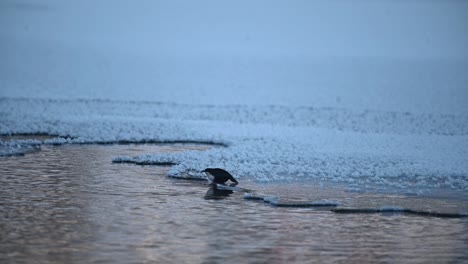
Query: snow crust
264	143
18	147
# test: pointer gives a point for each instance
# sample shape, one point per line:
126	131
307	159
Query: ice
412	155
399	210
253	196
18	147
289	202
391	209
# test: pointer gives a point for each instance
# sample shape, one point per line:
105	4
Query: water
70	204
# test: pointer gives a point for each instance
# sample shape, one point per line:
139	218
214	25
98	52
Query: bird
218	175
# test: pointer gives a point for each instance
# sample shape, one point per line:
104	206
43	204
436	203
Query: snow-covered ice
18	147
366	94
261	145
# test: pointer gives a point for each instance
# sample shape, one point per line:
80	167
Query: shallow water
70	203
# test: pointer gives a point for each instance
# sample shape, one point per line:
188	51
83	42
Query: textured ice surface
265	143
18	147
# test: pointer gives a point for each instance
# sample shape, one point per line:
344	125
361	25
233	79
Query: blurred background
386	55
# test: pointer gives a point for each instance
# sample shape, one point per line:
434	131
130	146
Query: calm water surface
70	204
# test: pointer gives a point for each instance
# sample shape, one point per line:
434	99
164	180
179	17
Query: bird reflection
214	193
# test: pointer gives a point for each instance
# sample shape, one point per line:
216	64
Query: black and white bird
218	175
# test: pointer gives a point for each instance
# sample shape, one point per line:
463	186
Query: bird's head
208	174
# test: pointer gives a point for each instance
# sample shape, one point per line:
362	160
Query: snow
362	93
261	144
18	147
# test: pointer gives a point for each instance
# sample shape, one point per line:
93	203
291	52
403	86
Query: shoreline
340	197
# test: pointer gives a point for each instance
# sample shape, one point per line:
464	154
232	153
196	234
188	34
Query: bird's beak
209	176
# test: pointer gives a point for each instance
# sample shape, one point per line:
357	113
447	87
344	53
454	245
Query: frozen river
71	204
